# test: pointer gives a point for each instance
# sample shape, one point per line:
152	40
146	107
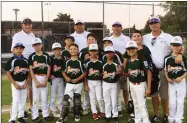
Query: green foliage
63	17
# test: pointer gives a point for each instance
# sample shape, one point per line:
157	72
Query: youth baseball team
85	76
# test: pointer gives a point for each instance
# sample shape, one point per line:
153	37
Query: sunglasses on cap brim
93	50
57	48
108	52
116	25
79	23
131	48
36	44
108	41
175	44
151	23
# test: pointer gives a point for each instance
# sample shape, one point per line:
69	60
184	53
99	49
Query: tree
63	17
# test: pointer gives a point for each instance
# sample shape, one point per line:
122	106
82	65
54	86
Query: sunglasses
36	44
153	23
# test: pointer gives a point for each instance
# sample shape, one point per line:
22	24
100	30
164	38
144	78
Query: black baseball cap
69	36
27	21
19	45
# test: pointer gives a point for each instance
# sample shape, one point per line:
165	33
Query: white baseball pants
86	101
96	94
110	93
37	93
57	86
177	92
139	101
119	100
18	101
73	88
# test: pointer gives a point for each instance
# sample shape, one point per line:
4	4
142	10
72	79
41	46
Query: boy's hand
68	79
52	77
24	85
44	84
147	91
87	56
17	86
86	87
170	80
74	80
37	84
178	79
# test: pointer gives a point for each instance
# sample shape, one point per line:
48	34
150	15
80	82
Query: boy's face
73	51
137	37
109	55
176	48
68	41
132	51
107	43
57	51
91	40
93	52
37	47
18	50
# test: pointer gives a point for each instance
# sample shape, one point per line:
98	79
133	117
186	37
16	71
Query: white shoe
85	112
77	118
56	115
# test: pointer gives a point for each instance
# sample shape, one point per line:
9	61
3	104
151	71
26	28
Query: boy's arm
26	82
33	77
148	89
179	79
79	78
12	80
44	84
66	77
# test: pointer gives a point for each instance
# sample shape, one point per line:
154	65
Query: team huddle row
99	73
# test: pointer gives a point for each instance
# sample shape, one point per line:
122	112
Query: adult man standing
159	44
80	36
119	43
25	36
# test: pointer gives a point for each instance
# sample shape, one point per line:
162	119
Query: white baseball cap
37	41
93	47
131	44
177	40
56	45
109	49
79	21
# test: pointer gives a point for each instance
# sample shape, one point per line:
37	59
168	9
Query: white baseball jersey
26	40
81	39
119	43
160	47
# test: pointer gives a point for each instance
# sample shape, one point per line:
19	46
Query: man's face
176	48
37	47
109	55
26	27
69	41
116	29
73	51
79	27
91	40
154	27
57	51
18	50
107	43
137	37
132	51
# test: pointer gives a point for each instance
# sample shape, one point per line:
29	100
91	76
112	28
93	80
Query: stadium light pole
129	19
153	11
48	4
103	19
42	25
16	10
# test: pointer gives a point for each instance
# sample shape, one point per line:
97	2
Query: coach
159	44
119	43
25	36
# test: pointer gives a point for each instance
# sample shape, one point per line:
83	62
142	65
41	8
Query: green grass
6	100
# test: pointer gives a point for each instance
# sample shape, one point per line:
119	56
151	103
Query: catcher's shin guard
66	105
77	103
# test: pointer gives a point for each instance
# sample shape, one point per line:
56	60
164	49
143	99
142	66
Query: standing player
119	43
140	77
57	83
74	73
39	65
175	74
110	79
25	37
17	72
94	77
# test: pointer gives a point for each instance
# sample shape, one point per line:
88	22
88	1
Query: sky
87	12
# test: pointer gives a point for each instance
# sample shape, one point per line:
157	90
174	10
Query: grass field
6	102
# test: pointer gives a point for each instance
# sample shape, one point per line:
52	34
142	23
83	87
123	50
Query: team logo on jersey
39	65
174	69
73	71
18	70
93	72
109	75
135	73
56	68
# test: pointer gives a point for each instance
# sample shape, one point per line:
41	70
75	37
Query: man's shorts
123	83
163	87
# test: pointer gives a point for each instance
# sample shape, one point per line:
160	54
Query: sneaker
101	115
39	110
49	118
120	114
26	116
30	111
77	118
115	120
56	115
155	119
61	120
107	120
165	119
12	121
95	116
85	112
37	120
21	120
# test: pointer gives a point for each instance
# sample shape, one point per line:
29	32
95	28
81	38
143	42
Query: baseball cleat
120	114
95	116
12	121
165	119
155	119
85	112
77	118
37	120
101	115
26	116
21	120
56	115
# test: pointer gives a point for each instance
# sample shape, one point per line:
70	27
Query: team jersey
65	54
118	58
40	63
18	68
94	69
85	52
175	70
56	66
110	72
74	69
137	69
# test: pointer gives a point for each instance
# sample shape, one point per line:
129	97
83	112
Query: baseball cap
37	41
69	36
56	45
107	39
176	41
19	45
79	22
109	49
154	20
27	21
131	44
91	34
93	47
116	24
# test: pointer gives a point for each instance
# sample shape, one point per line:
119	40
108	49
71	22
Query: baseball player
110	91
67	42
140	86
17	72
57	83
175	74
74	74
39	66
94	78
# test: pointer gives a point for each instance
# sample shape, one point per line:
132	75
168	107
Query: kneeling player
74	73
